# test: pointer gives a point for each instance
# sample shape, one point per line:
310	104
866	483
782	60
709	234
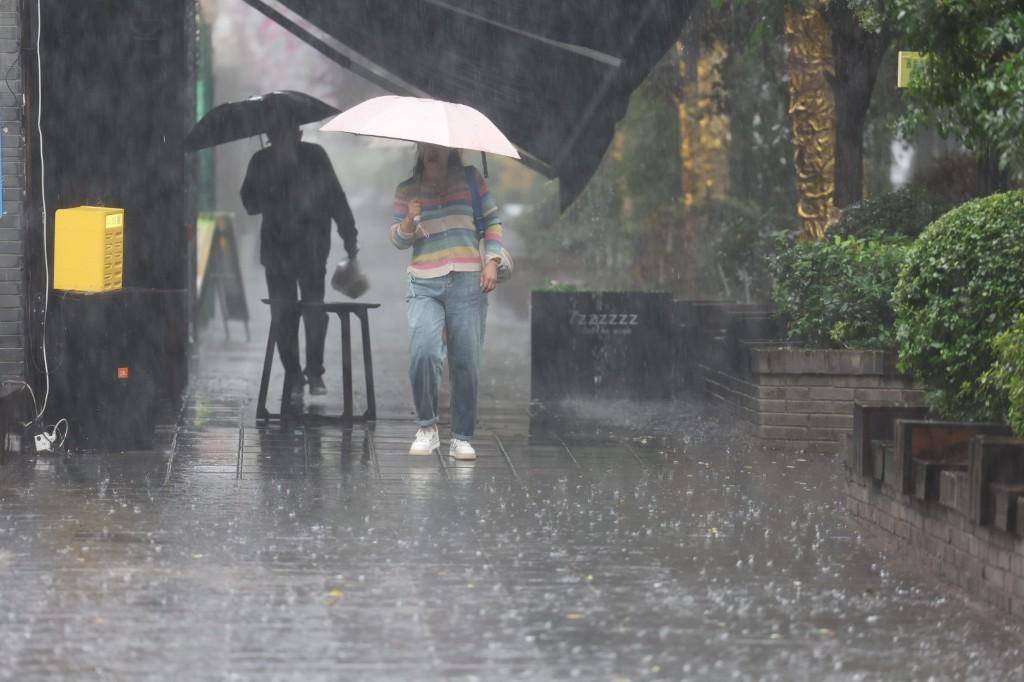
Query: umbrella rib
535	164
589	53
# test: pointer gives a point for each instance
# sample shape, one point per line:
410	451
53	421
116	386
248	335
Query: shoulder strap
478	209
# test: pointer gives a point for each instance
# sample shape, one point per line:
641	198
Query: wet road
633	543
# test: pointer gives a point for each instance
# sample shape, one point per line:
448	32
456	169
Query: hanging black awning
554	75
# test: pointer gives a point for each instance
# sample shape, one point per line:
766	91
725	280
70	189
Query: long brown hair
454	160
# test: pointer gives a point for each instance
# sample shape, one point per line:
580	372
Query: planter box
876	422
789	396
992	460
798	398
601	345
924	448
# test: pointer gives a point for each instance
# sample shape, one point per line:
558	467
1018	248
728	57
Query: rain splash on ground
627	542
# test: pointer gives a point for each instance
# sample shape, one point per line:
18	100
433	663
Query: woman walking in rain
449	278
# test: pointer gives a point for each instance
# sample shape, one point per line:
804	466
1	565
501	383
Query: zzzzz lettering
604	319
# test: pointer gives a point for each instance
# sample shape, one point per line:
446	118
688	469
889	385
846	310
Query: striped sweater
446	238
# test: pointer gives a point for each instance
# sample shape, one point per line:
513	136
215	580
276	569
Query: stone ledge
775	360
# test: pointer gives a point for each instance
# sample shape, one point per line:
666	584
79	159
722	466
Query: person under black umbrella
293	185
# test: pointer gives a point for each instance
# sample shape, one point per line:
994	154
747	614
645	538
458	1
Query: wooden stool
342	310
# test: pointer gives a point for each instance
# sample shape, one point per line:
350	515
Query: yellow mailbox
88	249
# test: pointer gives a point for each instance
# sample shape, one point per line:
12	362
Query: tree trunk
851	113
991	178
857	56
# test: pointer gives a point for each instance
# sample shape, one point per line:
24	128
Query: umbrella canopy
424	120
238	120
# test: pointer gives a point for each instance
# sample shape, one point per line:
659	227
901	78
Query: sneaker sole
423	453
462	458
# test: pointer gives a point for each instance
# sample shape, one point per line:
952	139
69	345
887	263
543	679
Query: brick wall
12	277
803	399
986	563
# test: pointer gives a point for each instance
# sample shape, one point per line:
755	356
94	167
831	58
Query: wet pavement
627	543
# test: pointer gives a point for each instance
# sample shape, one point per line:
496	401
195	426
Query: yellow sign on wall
909	65
88	249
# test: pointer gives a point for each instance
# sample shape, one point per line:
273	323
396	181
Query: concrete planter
799	398
789	396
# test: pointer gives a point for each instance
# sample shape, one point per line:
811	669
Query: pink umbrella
423	120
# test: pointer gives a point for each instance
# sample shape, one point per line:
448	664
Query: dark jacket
298	197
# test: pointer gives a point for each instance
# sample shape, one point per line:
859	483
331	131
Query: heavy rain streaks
630	531
656	545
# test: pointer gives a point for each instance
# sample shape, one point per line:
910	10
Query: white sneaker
426	442
461	449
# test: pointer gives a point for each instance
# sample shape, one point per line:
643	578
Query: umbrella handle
483	162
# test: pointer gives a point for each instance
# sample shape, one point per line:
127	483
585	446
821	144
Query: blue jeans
452	303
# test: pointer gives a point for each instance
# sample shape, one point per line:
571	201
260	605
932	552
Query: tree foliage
972	83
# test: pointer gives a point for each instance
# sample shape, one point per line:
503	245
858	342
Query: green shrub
836	292
962	286
1006	378
907	211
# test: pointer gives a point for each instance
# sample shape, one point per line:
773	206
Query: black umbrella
238	120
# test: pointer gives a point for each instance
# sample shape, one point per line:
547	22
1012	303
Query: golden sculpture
812	116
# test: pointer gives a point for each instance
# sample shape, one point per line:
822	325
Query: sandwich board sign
218	273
